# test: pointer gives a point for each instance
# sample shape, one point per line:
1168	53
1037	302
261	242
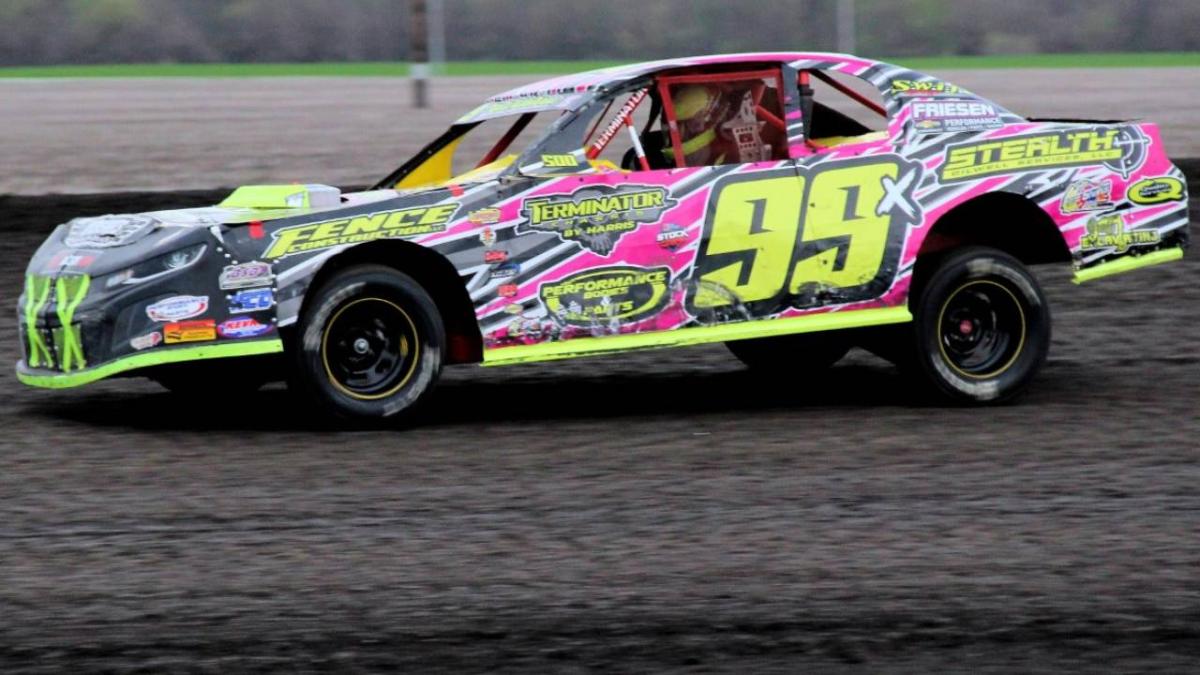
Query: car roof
568	92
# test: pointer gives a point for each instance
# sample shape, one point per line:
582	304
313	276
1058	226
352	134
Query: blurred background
661	511
218	31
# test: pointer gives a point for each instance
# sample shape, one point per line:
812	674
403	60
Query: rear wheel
800	353
370	344
981	327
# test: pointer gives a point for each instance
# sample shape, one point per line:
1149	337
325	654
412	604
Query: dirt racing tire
791	354
369	345
981	328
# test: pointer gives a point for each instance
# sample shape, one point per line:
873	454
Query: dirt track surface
157	134
664	511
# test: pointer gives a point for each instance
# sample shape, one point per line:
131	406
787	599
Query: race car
790	205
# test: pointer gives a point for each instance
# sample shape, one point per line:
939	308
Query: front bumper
75	329
56	379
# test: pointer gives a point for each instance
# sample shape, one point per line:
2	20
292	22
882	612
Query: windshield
619	131
472	152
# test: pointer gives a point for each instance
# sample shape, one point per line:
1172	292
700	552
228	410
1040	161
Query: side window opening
495	140
843	108
731	118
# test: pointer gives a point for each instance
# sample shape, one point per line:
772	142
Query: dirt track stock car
789	205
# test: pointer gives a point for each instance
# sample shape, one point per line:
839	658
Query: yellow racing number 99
754	228
797	238
842	211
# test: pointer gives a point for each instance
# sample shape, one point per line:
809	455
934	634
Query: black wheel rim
370	348
981	329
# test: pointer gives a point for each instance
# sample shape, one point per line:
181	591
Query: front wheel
981	327
370	344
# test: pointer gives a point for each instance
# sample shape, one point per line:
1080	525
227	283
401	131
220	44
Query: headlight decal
159	266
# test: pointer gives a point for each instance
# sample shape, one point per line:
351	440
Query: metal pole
846	36
418	53
437	35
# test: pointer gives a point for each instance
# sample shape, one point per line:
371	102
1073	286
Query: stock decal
1121	149
310	237
671	237
622	293
831	233
1156	190
595	217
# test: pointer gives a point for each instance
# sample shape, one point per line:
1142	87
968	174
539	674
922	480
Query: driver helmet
697	108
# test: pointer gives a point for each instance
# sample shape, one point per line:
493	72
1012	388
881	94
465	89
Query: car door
857	206
650	256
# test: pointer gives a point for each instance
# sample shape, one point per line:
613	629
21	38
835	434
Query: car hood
98	245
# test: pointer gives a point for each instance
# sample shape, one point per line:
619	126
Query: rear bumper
55	379
1128	263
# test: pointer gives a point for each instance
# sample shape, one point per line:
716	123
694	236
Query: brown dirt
653	512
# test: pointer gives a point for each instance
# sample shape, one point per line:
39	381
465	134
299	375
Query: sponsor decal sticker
492	257
243	328
70	260
190	331
926	88
671	237
514	308
954	116
178	307
1155	190
146	341
257	300
515	104
528	328
1108	231
505	271
411	222
1087	195
560	161
487	236
616	124
246	275
507	290
623	293
484	217
595	217
1122	149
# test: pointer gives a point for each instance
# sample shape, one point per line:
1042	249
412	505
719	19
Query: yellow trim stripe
1128	263
682	337
156	357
